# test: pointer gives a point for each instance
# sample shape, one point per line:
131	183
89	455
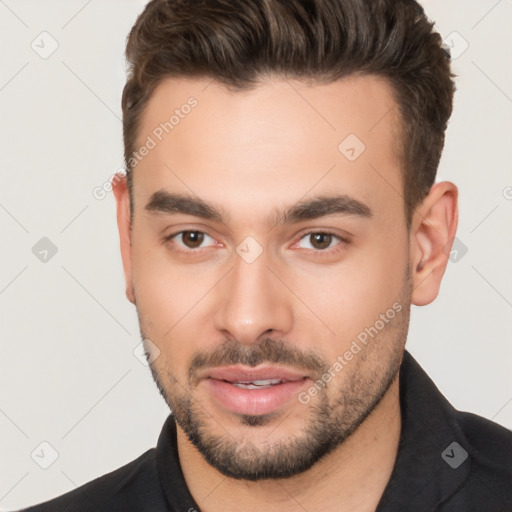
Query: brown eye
192	239
189	240
320	240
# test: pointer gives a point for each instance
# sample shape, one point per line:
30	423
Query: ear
431	238
122	195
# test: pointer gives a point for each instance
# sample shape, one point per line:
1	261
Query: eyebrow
319	206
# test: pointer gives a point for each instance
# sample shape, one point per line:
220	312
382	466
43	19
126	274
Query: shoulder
467	458
130	487
489	482
491	443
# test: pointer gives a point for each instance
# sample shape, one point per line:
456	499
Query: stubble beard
330	420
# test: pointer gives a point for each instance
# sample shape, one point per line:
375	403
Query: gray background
68	374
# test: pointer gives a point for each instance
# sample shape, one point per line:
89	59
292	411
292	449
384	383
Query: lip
218	382
241	373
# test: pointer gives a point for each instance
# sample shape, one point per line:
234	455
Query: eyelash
337	248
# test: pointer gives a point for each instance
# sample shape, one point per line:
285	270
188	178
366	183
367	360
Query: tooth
247	386
257	384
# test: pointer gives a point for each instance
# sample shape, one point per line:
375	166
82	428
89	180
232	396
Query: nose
253	302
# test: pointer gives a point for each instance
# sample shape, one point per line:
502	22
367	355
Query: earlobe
122	196
432	233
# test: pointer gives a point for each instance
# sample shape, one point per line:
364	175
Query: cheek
351	296
162	290
169	299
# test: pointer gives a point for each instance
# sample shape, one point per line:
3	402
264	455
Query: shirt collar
422	475
172	480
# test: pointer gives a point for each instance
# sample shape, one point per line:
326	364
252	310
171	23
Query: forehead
277	142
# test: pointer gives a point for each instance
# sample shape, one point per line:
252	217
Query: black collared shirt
448	461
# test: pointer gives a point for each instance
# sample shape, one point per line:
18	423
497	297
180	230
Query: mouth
253	391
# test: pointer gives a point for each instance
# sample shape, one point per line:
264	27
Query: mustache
232	352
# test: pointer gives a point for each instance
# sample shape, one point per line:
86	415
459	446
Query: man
278	218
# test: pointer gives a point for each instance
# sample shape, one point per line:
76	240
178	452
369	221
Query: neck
351	478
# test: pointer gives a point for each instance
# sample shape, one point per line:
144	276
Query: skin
252	152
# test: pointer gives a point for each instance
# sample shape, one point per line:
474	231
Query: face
269	264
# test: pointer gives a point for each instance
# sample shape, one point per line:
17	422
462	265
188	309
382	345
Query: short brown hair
237	42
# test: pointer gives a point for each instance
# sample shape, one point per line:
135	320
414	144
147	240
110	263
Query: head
279	214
